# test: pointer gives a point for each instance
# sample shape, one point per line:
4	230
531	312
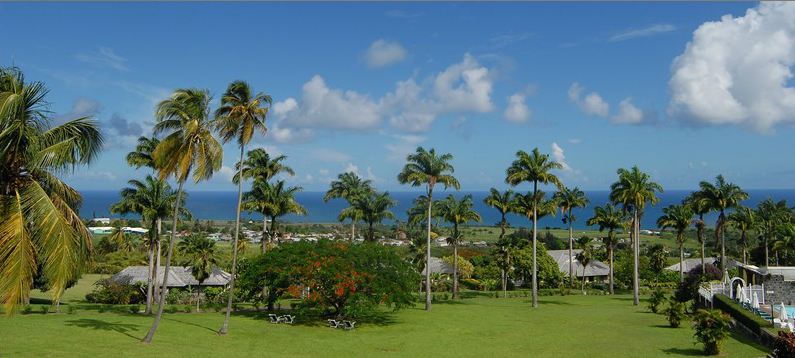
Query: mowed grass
571	326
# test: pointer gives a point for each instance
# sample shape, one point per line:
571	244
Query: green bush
27	309
70	309
675	312
712	327
784	346
742	315
134	309
110	292
44	309
178	296
657	297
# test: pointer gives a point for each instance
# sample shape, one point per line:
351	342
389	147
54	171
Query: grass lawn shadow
189	324
550	302
380	318
691	352
97	324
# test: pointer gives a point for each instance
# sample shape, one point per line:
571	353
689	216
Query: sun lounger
333	323
287	319
349	325
274	318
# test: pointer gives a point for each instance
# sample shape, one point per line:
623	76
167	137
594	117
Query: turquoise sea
220	205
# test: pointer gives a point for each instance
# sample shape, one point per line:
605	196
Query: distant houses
596	271
105	230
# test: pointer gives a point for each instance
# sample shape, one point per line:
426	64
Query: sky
686	91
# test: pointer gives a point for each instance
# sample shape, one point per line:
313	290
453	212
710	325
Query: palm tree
503	202
633	190
38	222
721	196
785	241
534	207
372	208
700	207
609	218
273	201
201	257
349	186
533	168
120	238
152	199
569	199
770	215
142	155
457	212
189	149
240	115
585	256
744	219
425	167
677	217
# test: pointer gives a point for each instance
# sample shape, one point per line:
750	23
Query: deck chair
274	318
349	325
333	323
289	319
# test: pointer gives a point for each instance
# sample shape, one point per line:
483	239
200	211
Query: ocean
220	205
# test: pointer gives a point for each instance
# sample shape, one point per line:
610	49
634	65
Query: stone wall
777	290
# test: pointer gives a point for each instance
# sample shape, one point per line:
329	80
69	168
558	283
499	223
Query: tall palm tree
349	186
273	201
608	218
744	219
241	114
700	207
457	212
677	217
119	237
152	199
770	216
585	256
188	149
785	241
372	208
201	257
568	199
425	167
721	196
39	224
633	190
503	202
142	155
533	168
533	206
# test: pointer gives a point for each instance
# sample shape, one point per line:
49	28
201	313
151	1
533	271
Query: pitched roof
439	266
562	258
691	263
178	276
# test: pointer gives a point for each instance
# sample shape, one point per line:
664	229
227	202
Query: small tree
675	312
712	327
657	297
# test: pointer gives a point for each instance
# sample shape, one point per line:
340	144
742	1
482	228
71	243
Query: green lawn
572	326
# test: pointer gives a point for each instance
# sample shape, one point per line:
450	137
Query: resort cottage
596	271
178	277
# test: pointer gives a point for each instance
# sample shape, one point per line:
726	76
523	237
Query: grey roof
439	266
692	263
178	276
594	268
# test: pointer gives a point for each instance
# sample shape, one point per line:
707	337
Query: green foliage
675	312
657	297
712	328
549	274
688	289
110	292
784	346
465	268
178	296
747	318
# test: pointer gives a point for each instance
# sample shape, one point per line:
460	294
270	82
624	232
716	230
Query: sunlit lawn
572	326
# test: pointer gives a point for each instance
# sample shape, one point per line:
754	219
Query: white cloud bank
593	104
517	110
644	32
383	53
738	70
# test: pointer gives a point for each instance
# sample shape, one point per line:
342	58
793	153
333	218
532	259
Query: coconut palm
533	168
503	202
273	201
425	167
142	155
568	199
534	207
700	207
201	257
152	199
120	239
785	241
721	196
770	216
457	212
372	209
678	218
608	218
38	220
188	149
349	186
241	114
633	190
585	256
259	165
744	219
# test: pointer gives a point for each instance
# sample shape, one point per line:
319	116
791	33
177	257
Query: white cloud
517	110
351	168
737	70
592	104
646	31
575	140
384	53
329	155
104	57
558	156
226	173
627	113
404	145
280	109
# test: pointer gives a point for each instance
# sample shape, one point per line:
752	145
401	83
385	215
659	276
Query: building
596	271
778	282
103	221
692	263
105	230
178	277
439	266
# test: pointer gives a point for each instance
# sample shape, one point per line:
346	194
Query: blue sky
357	86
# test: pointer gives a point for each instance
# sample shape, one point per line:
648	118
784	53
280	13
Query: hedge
747	318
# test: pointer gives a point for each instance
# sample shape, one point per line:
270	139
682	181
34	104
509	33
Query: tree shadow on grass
189	324
691	352
97	324
551	302
315	319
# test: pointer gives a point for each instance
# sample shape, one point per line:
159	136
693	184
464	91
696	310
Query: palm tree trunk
535	234
198	297
149	279
681	261
428	253
156	288
455	270
582	287
161	300
353	230
721	219
767	258
264	239
504	284
635	275
225	328
611	268
571	252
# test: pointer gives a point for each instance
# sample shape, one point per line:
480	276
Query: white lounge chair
273	318
333	323
289	319
349	325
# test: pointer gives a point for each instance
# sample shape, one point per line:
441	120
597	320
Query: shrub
657	297
688	289
675	312
178	297
27	309
784	346
110	292
44	309
188	308
712	327
472	284
134	309
71	309
742	315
